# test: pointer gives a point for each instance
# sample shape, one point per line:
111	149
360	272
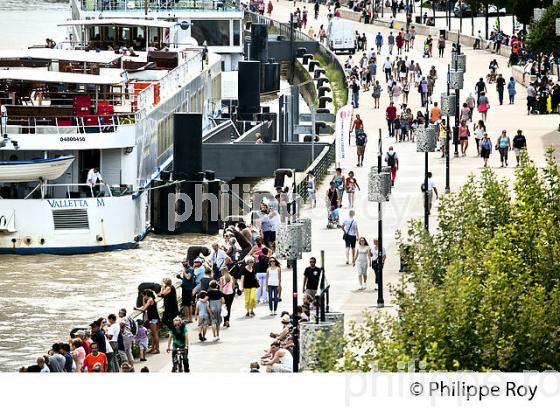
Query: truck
341	36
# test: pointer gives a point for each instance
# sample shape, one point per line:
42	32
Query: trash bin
418	19
366	19
443	33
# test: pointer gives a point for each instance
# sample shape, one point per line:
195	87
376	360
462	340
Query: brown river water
43	296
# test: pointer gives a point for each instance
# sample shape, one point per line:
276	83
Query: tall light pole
426	194
380	301
379	189
448	128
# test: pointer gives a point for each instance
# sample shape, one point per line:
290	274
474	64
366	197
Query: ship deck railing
88	124
168	85
159	5
80	191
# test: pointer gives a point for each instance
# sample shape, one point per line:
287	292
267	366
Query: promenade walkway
246	338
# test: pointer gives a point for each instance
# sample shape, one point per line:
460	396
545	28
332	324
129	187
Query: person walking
423	90
511	90
375	262
443	132
355	87
519	144
485	148
273	284
311	277
227	284
376	94
379	42
338	180
351	184
350	229
391	116
312	188
480	87
483	106
431	190
361	261
531	98
479	131
441	46
435	114
249	286
500	87
361	141
400	42
387	69
391	42
392	160
357	126
504	146
215	301
471	103
464	137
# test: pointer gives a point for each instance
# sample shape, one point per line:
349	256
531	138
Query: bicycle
180	358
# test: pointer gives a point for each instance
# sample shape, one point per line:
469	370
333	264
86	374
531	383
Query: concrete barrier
350	15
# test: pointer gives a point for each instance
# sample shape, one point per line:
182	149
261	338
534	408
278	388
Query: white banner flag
342	132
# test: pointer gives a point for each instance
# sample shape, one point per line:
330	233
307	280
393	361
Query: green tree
482	292
542	36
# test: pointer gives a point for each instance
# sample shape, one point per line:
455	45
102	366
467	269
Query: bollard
317	73
313	64
323	90
323	101
306	58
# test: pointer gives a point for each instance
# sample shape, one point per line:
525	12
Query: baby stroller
333	218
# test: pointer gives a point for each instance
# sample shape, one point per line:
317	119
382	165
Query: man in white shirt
431	189
218	258
93	178
387	67
113	332
4	117
350	229
478	41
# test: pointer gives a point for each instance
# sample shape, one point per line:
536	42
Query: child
141	338
202	314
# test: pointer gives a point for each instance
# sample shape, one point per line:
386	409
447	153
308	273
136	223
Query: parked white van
341	35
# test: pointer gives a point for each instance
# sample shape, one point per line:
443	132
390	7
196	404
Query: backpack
391	159
133	326
487	144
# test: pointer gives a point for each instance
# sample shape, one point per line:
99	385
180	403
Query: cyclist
180	337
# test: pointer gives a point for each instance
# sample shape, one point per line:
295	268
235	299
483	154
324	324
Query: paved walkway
244	341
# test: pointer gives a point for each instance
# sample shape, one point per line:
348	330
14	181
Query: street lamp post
379	189
380	301
447	164
426	194
426	142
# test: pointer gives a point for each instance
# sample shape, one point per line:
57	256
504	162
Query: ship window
236	32
214	32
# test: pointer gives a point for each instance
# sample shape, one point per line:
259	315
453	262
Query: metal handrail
319	167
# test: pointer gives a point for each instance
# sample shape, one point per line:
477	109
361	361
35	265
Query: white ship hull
67	226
